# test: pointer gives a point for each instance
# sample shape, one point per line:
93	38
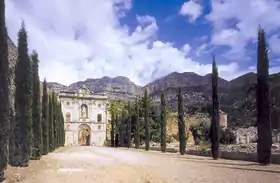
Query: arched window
99	117
68	117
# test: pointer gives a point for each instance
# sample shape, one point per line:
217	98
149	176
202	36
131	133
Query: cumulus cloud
274	44
236	22
77	40
236	25
191	9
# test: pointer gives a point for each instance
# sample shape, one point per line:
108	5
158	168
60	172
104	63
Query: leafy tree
36	117
181	123
263	103
163	122
22	127
137	131
146	118
4	93
129	126
215	123
45	122
51	127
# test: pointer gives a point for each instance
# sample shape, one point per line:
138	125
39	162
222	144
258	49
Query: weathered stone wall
12	57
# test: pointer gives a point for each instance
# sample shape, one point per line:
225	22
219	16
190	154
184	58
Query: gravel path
110	165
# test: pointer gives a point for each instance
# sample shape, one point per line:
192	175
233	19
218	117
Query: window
99	117
99	105
99	127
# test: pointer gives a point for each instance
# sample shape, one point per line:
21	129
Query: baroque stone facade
85	115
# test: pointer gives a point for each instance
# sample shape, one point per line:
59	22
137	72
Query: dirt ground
111	165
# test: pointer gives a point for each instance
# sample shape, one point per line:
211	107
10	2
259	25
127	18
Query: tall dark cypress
4	93
181	122
263	103
50	120
163	122
137	131
63	128
22	127
36	117
215	123
112	129
146	119
54	110
122	129
129	126
117	131
45	122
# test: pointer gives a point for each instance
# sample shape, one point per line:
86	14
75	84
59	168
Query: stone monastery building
85	115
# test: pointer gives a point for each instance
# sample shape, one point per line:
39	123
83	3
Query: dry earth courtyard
89	164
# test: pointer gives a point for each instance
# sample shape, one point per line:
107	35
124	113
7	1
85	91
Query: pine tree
36	118
181	122
4	93
50	120
137	131
129	126
122	129
163	122
146	118
112	129
22	127
263	103
117	132
215	123
45	122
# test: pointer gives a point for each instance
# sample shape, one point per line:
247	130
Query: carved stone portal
84	135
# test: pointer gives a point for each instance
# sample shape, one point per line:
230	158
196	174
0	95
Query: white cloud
202	49
186	49
274	44
191	9
247	16
102	46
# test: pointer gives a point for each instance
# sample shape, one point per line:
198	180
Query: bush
227	137
200	132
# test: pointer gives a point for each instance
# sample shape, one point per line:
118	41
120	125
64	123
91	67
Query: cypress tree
62	128
146	119
215	123
22	127
122	129
54	105
137	131
36	121
263	103
117	132
4	93
58	124
181	122
50	120
112	129
129	126
45	122
163	122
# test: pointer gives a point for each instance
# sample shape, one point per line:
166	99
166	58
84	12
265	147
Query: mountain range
236	98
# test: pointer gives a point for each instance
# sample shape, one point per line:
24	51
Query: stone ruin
250	135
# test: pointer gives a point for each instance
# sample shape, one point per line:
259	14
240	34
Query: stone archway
84	135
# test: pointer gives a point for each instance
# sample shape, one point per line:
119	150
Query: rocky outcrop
12	57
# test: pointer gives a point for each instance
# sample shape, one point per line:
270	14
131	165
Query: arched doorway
84	135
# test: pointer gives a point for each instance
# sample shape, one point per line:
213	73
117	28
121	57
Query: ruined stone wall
12	57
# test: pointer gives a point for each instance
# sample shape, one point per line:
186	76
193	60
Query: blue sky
145	39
